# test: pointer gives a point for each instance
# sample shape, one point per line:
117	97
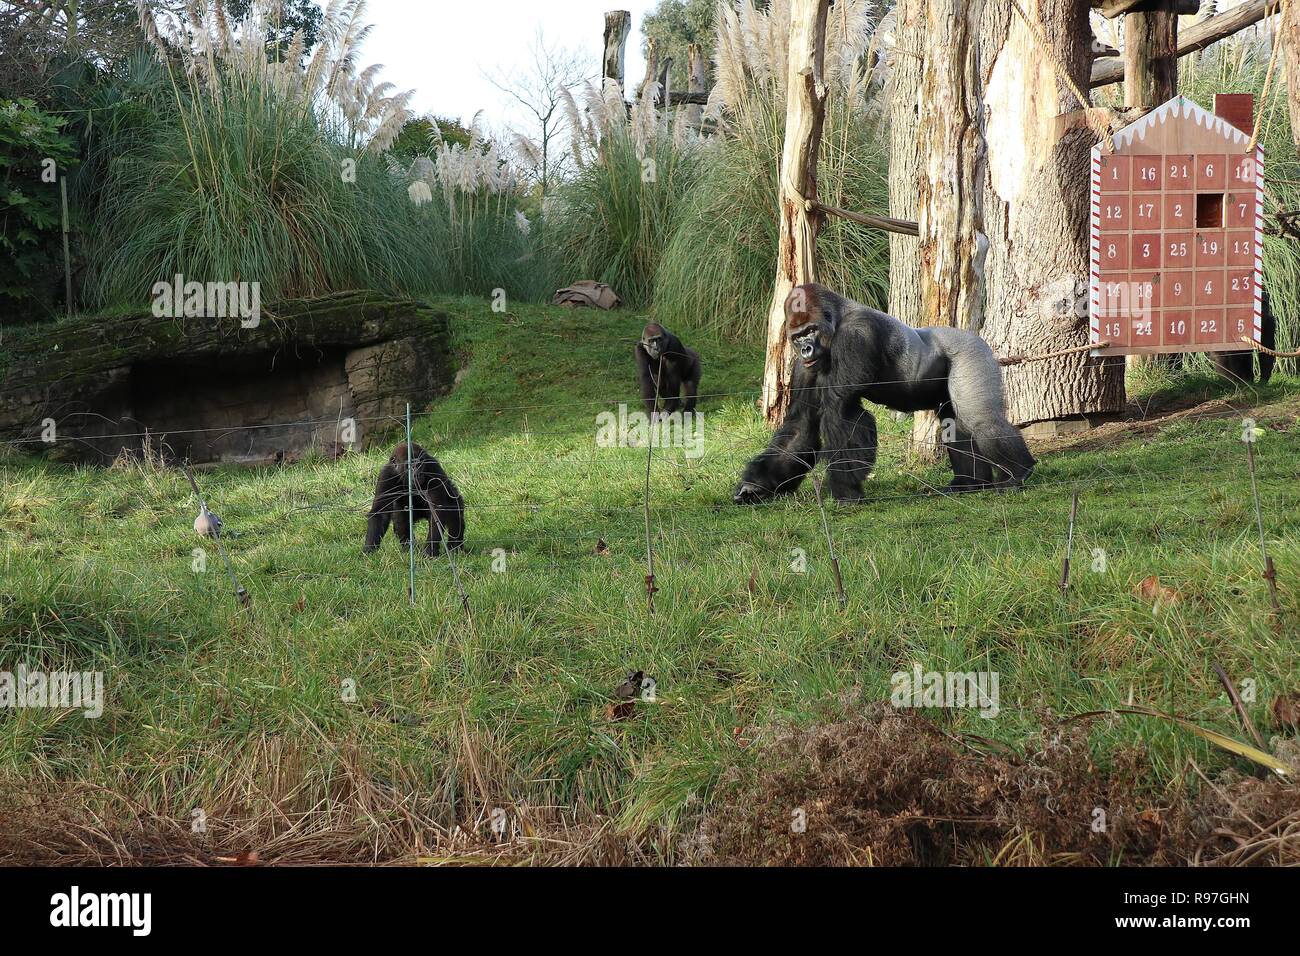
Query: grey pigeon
207	525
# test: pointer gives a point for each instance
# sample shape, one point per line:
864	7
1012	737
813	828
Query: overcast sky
441	48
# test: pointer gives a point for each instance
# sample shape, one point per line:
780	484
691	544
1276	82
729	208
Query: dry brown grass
879	787
884	787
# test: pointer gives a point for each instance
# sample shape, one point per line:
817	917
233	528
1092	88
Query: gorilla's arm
446	508
690	375
649	381
381	508
452	516
781	467
850	435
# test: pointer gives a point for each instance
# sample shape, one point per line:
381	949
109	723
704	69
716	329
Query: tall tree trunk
697	82
950	207
70	10
950	204
905	171
1288	34
1036	213
796	263
905	157
651	65
618	24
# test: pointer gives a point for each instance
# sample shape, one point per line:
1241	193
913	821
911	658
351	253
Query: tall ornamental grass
269	165
614	218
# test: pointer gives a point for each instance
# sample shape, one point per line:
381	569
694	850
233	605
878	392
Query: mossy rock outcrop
312	374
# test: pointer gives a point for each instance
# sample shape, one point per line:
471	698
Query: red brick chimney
1237	109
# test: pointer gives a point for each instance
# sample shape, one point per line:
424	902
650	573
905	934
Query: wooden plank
1110	9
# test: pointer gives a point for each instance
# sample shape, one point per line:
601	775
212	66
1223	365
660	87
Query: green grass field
244	714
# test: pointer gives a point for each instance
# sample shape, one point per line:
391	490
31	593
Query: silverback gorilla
849	352
666	368
434	498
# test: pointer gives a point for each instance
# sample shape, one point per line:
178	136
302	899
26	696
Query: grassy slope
216	708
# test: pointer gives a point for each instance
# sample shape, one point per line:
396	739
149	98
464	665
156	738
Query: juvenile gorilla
849	352
434	497
679	370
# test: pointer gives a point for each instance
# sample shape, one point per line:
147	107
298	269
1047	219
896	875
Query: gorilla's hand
749	493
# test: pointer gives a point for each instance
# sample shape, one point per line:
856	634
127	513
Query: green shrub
274	170
34	151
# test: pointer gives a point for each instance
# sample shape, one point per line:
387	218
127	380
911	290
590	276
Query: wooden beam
903	227
687	98
1117	8
1196	37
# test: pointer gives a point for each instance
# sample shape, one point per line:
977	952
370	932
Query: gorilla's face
808	341
653	345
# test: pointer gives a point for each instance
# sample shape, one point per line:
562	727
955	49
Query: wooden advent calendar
1177	217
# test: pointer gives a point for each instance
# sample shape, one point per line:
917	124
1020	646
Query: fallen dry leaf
620	711
1151	590
243	858
1286	711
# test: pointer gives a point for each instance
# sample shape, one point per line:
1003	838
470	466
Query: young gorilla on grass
666	367
849	352
435	499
